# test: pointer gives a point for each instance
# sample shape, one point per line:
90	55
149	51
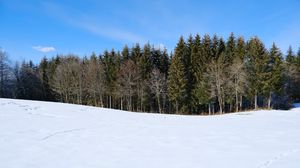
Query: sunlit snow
54	135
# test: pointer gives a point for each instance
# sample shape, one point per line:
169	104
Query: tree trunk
158	102
209	109
269	100
236	101
95	99
177	112
142	94
241	103
255	101
121	103
130	103
109	101
220	104
101	100
164	104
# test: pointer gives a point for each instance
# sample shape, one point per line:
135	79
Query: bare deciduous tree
127	81
238	80
158	86
68	81
6	75
95	79
217	80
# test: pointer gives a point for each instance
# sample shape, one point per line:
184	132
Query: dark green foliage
257	61
178	81
29	85
274	74
290	57
204	76
125	53
44	68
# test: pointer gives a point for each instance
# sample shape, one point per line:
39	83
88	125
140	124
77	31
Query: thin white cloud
43	49
88	23
112	33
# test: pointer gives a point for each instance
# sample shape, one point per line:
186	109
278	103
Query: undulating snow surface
54	135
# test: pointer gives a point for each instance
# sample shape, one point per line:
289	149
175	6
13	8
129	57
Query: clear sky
30	29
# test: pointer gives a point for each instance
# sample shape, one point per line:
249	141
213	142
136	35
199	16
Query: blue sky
34	28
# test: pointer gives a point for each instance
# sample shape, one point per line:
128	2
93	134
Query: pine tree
240	50
110	72
290	57
125	53
292	74
230	48
274	73
256	67
144	68
198	65
215	47
136	53
206	49
44	75
165	62
188	73
177	82
155	58
29	84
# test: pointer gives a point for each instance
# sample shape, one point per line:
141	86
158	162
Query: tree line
205	75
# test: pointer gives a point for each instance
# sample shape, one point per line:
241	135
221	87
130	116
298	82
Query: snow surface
54	135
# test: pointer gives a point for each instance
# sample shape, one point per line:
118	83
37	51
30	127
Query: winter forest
203	75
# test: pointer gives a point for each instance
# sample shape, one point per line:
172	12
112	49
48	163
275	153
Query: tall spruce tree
256	67
126	53
110	72
274	74
199	92
290	57
178	82
240	50
230	48
44	75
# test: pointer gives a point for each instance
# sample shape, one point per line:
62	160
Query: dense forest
204	75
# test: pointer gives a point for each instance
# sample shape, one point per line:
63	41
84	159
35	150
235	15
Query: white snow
54	135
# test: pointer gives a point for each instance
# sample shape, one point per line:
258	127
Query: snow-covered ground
54	135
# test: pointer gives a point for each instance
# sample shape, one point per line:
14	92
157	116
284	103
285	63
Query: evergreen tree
206	49
165	62
230	48
240	50
136	53
197	69
256	67
290	57
215	47
110	73
155	58
274	74
293	74
125	53
29	83
177	82
44	76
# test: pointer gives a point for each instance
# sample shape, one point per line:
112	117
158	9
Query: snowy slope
54	135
